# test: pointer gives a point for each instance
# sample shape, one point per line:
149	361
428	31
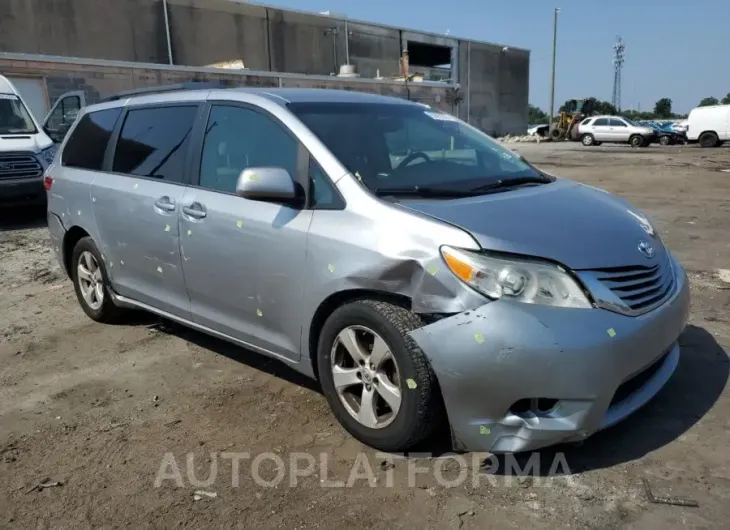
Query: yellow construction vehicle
565	127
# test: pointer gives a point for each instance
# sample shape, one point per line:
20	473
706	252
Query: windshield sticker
441	116
9	96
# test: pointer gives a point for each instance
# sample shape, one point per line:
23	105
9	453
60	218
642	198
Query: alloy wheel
366	376
90	280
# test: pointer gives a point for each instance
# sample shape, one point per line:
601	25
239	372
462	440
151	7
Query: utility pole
167	31
618	64
555	46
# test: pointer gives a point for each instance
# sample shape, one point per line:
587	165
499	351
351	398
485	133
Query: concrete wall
493	89
126	30
98	78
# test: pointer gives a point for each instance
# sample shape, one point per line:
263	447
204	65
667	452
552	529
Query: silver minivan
424	274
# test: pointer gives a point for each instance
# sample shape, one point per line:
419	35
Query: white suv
598	129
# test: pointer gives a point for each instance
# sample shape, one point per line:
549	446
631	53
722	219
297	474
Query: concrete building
485	84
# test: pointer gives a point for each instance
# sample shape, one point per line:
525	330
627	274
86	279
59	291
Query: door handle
195	210
165	203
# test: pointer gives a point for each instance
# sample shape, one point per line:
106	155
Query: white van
710	126
27	148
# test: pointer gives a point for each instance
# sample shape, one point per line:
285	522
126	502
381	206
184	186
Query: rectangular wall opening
430	60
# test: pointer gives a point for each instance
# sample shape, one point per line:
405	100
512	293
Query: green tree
663	108
604	107
706	102
536	116
726	99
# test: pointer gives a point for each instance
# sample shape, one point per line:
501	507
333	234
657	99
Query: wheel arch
709	131
72	236
337	300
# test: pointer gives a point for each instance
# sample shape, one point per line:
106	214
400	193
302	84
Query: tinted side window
88	141
237	138
586	121
617	123
601	121
154	142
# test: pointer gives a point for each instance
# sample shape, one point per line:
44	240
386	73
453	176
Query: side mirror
273	184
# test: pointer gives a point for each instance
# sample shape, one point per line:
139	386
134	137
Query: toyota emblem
646	249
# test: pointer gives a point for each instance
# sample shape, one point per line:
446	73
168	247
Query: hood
25	142
574	224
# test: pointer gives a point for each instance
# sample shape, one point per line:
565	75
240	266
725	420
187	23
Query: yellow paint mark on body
331	268
190	233
239	224
611	332
135	186
253	177
357	174
411	384
159	269
167	228
259	313
432	269
483	429
479	338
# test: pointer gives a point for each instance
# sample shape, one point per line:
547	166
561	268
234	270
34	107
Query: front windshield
393	146
14	118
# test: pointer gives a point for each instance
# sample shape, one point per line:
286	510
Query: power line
618	63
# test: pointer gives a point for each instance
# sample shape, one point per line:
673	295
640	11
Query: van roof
6	87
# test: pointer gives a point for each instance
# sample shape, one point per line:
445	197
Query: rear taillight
47	182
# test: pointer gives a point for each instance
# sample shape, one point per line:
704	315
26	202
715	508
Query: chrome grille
19	165
639	287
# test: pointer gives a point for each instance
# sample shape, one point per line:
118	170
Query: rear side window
154	142
88	141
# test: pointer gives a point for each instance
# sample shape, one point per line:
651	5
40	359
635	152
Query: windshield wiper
419	191
509	183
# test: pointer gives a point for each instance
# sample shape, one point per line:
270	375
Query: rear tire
709	139
91	283
665	140
588	140
636	141
419	407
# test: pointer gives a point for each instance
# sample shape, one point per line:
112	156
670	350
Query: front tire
588	140
376	379
91	283
557	135
636	141
665	140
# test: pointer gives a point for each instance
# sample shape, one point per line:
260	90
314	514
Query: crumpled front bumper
488	359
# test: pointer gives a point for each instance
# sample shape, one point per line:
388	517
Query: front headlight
48	153
527	281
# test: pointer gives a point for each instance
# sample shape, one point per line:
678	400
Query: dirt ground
91	411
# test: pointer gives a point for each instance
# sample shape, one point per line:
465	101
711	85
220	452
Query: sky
674	48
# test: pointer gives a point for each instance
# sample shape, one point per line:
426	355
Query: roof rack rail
193	85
